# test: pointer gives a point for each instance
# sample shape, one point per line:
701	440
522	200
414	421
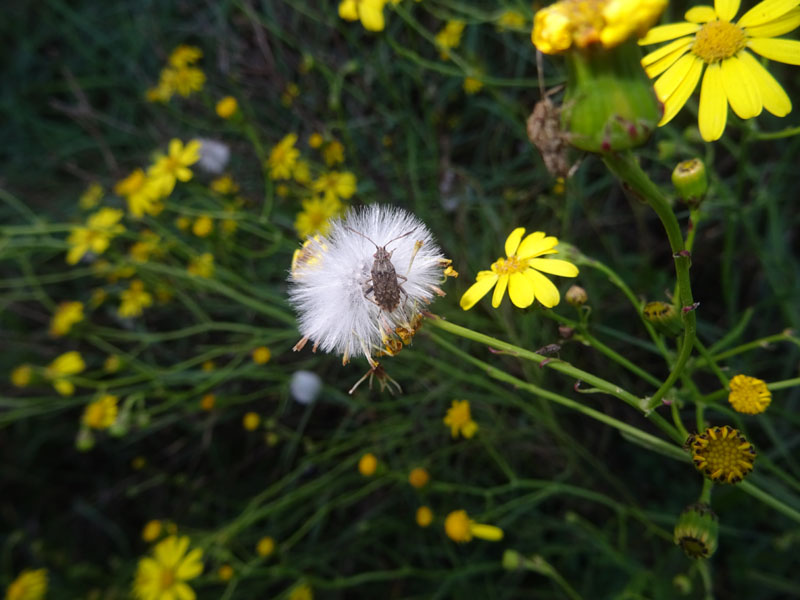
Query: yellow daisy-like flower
134	300
461	529
149	244
424	516
224	184
520	273
261	355
184	80
418	477
459	419
316	216
369	12
368	464
175	165
142	193
164	576
335	186
265	546
283	157
29	585
66	315
586	23
472	85
91	197
749	395
185	55
58	371
722	454
710	41
333	153
449	37
101	413
151	530
96	235
225	572
21	375
301	592
203	226
302	172
227	107
251	421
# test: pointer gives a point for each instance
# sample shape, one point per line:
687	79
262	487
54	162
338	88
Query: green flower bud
663	317
697	530
691	181
84	441
610	103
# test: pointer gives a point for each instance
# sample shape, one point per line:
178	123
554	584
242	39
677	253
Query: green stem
625	167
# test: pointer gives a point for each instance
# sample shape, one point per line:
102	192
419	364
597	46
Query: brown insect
384	282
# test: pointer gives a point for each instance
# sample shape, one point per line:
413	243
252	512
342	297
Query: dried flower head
342	307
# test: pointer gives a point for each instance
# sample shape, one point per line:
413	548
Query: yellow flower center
507	266
718	40
167	579
723	454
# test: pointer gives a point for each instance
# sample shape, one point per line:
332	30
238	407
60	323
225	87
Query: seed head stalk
626	169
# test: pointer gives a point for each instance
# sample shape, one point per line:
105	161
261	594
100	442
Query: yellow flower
334	185
148	244
749	395
367	464
225	572
583	24
418	477
283	157
96	235
333	153
160	93
722	454
141	192
184	80
66	315
209	366
101	413
98	296
265	546
202	266
301	592
185	55
224	185
519	272
302	172
58	371
227	107
207	402
315	216
164	576
369	12
251	421
709	40
511	19
175	165
459	419
112	363
21	376
472	85
134	300
261	355
151	530
91	197
449	37
315	140
424	516
29	585
460	528
203	226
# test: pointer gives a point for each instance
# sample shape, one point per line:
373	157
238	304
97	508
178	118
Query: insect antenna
362	235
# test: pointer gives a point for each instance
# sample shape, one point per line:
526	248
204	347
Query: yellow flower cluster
180	76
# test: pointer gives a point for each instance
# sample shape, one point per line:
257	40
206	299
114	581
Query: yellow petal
520	290
713	105
783	24
348	10
657	55
512	241
478	290
700	14
741	89
191	566
537	244
371	15
486	532
554	266
785	51
658	66
726	9
678	98
500	290
183	592
545	291
666	85
772	94
668	32
766	11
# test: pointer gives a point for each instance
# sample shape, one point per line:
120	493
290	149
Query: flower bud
691	181
697	530
84	441
576	296
663	317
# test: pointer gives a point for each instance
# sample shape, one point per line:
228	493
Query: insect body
384	281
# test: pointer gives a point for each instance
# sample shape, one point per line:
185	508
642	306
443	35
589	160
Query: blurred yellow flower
749	395
184	81
511	19
225	572
301	592
261	355
208	366
134	300
202	266
96	235
251	421
141	192
283	157
291	92
418	477
333	153
203	226
315	140
184	55
183	223
302	172
112	363
224	184
29	585
369	12
449	37
207	402
91	197
174	165
227	107
58	371
472	85
316	215
520	273
424	516
66	315
164	576
335	186
367	464
265	546
459	419
101	413
151	530
21	375
461	529
149	244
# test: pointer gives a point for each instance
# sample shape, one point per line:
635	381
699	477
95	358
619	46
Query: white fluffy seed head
330	281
